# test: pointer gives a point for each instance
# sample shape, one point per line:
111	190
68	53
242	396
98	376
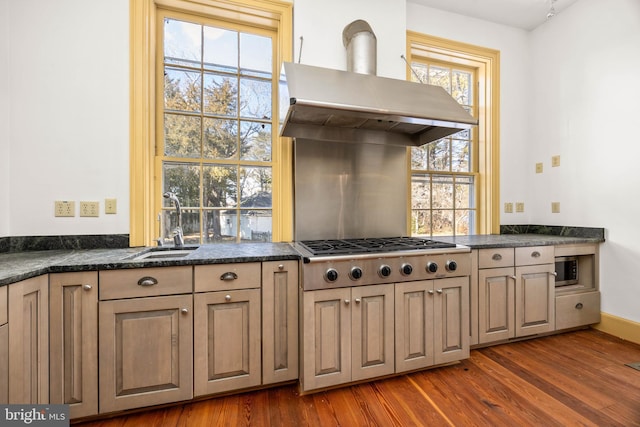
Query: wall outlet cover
64	208
508	208
555	207
519	207
91	209
555	161
539	167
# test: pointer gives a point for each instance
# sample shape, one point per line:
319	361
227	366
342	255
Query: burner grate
367	245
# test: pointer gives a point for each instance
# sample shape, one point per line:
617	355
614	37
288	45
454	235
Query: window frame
486	154
268	14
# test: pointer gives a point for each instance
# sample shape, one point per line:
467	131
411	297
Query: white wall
585	108
4	118
68	89
515	89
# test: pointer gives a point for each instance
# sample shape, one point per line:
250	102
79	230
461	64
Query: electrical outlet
519	207
110	206
538	167
555	161
64	208
508	208
90	209
555	207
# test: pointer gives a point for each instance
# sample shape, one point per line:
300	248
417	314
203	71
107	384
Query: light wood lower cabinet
227	341
73	309
348	335
29	341
431	322
535	299
146	351
279	321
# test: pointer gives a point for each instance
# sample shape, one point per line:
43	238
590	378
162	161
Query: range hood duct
360	107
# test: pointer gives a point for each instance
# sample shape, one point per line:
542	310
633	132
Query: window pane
183	179
255	225
465	221
182	43
220	226
419	157
255	140
422	72
461	87
220	49
464	190
439	155
255	55
442	192
461	156
421	223
181	90
255	98
219	186
220	139
442	222
181	136
440	76
221	95
420	192
255	187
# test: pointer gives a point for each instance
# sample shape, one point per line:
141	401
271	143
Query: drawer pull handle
227	298
535	254
147	281
579	306
496	257
229	275
87	287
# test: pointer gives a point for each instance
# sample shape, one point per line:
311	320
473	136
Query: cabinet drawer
495	257
533	255
3	305
143	282
222	277
577	310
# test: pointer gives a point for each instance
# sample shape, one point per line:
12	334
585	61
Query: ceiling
525	14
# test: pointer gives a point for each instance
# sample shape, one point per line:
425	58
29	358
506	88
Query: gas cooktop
370	245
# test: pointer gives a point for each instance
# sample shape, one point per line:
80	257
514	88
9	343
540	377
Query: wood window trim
272	14
487	63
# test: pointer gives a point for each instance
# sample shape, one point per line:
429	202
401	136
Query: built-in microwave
566	271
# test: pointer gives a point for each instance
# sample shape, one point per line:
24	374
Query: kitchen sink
164	253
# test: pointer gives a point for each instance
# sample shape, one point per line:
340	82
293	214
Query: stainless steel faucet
178	237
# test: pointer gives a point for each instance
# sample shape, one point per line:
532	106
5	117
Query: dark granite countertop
516	240
18	266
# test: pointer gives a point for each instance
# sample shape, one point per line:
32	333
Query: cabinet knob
513	277
229	275
430	291
579	306
439	291
555	274
347	302
147	281
227	298
87	287
357	300
184	310
280	266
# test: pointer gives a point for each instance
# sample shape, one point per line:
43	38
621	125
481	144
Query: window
204	120
454	181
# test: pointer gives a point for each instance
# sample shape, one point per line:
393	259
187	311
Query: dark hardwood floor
573	379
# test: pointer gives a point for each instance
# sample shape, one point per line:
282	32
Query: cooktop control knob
451	265
331	275
406	269
384	271
355	273
432	267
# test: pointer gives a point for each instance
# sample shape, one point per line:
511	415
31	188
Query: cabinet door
326	351
279	321
146	352
414	325
73	308
29	341
372	331
496	304
227	341
4	364
451	319
535	299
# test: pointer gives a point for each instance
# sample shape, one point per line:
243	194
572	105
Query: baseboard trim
619	327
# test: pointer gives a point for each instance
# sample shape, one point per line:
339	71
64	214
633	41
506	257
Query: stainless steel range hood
333	105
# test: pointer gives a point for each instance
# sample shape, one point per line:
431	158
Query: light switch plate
538	167
110	206
555	161
555	207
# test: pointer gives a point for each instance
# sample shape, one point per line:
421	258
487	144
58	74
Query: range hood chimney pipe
361	44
